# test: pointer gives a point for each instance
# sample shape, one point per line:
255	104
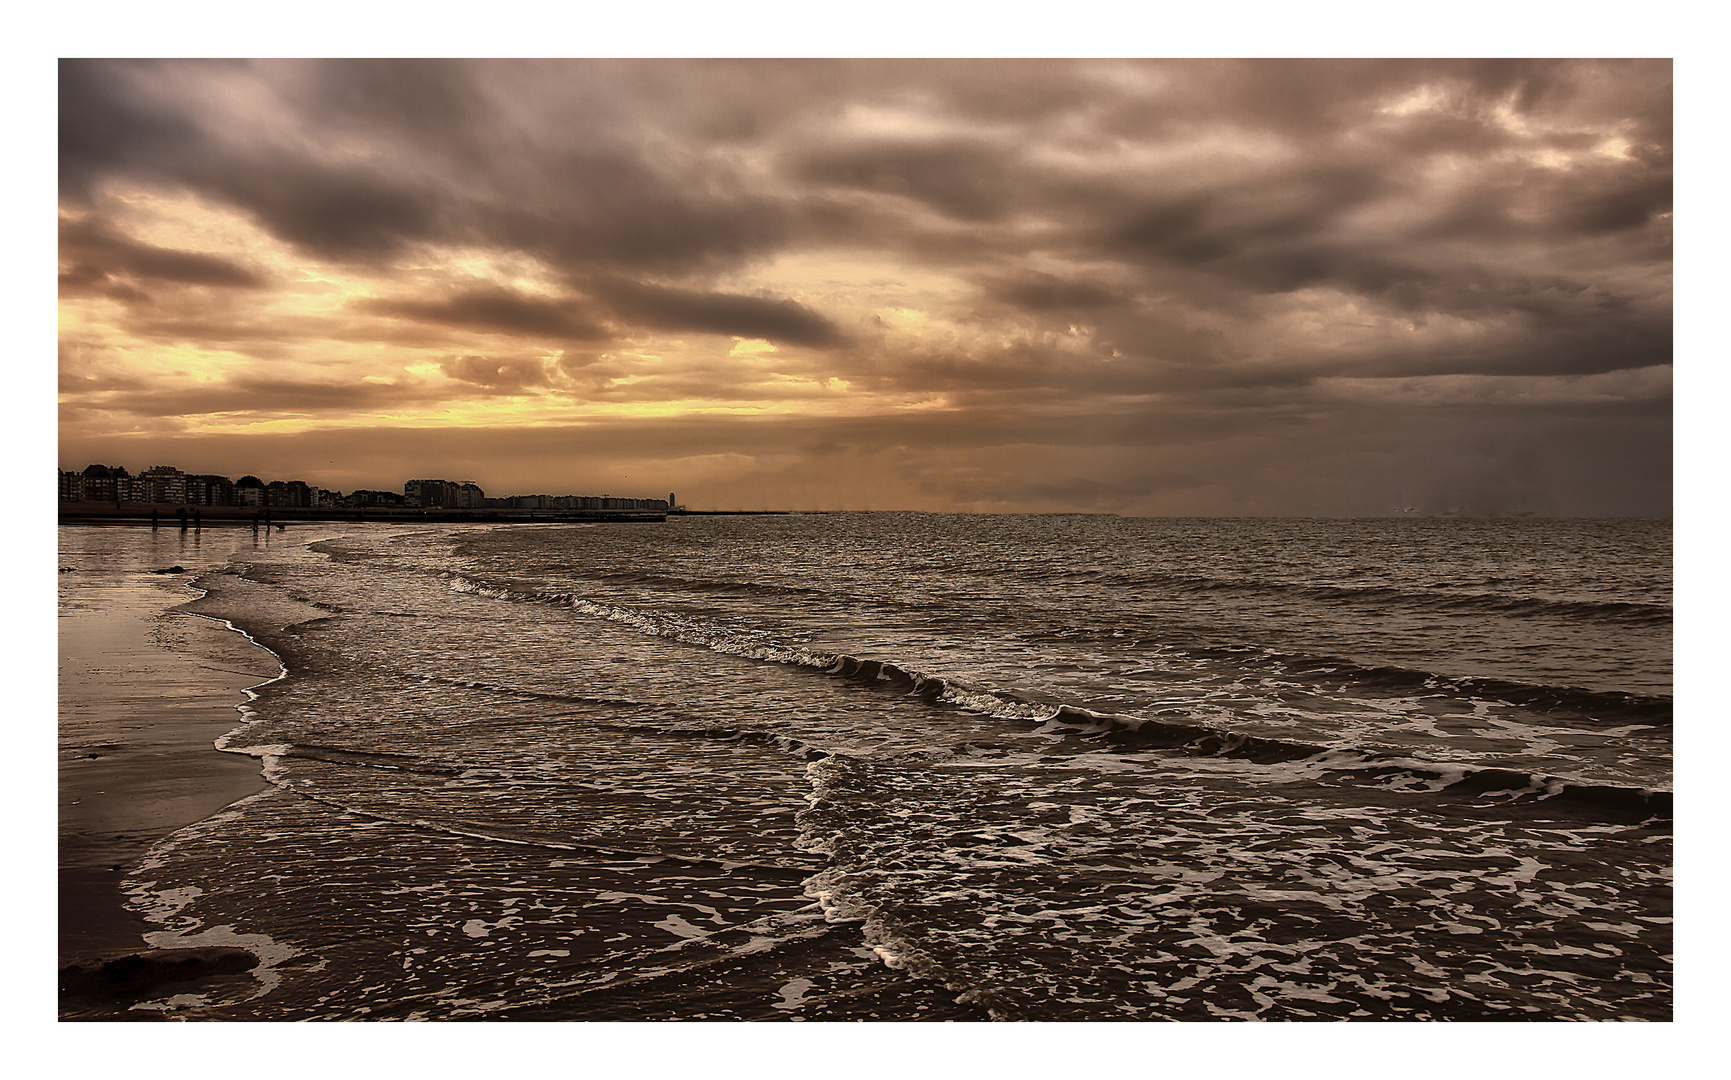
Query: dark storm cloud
109	127
960	178
1279	228
587	209
332	212
494	311
258	395
629	304
142	120
1283	233
101	260
445	159
1619	205
769	318
1538	207
1228	220
106	128
625	305
215	320
434	103
1032	290
1313	101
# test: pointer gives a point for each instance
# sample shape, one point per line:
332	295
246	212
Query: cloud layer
1185	287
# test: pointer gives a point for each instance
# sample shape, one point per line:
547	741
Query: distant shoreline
168	515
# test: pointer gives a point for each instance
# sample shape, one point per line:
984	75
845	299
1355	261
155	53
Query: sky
1180	287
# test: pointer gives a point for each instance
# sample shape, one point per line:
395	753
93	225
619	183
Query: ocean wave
680	583
1599	705
1437	597
1593	705
1147	733
1626	612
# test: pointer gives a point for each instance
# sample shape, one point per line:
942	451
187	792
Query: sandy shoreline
144	691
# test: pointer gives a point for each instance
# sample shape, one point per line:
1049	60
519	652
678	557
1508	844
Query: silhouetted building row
365	498
168	485
157	484
466	495
444	494
577	502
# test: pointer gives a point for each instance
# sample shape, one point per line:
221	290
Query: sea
928	767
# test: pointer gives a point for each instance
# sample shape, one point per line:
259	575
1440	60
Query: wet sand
144	692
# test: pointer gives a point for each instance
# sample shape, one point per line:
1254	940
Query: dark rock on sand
138	975
172	570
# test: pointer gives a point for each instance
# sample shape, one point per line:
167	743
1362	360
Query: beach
144	692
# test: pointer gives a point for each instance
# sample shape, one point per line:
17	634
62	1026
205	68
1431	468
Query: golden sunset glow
1160	288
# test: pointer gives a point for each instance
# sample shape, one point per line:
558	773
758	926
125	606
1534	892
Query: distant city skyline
1331	288
168	485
